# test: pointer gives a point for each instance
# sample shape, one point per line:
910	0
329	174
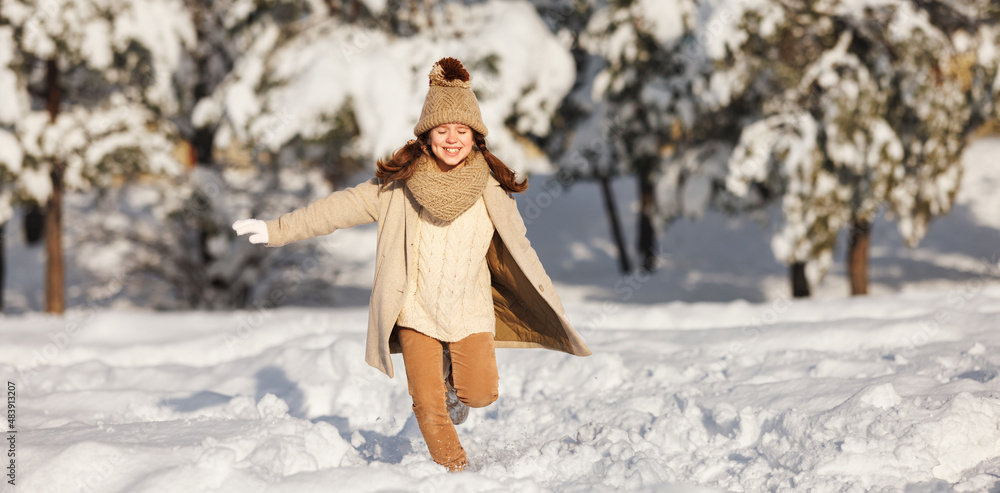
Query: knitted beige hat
450	99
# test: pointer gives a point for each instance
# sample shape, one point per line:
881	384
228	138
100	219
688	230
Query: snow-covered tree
180	239
361	85
12	105
874	120
183	259
579	141
829	152
308	105
97	74
170	229
649	109
989	49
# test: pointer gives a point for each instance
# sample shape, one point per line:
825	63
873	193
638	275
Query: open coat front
528	310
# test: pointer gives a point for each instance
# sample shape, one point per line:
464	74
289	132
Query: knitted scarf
446	195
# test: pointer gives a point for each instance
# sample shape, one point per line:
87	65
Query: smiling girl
455	275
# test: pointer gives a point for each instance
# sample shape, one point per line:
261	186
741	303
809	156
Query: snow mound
185	455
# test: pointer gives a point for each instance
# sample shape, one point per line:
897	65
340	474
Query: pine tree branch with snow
883	114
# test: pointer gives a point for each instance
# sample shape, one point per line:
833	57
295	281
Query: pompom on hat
450	99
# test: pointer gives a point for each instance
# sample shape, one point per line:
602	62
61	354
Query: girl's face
451	143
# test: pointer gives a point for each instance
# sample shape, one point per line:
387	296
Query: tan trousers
474	374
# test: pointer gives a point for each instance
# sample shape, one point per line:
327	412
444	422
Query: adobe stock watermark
11	433
210	186
99	472
262	310
366	377
754	327
434	484
552	189
753	166
269	135
44	10
581	159
625	288
76	322
698	44
361	39
955	299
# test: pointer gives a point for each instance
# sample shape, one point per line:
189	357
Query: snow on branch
98	146
287	89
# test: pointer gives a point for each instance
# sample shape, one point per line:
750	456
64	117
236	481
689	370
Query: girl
455	275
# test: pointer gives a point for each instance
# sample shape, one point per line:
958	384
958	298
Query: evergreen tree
12	106
650	86
97	76
312	99
579	141
876	123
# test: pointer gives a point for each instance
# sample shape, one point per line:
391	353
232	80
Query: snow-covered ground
687	389
844	395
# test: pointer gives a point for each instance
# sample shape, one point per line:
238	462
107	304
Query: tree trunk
55	290
355	11
616	231
55	274
647	235
34	225
858	241
800	285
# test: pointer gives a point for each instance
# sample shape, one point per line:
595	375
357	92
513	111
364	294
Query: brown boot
457	410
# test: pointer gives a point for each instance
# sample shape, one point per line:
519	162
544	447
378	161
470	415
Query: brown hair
399	166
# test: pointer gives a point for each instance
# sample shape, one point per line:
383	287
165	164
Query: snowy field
687	390
845	395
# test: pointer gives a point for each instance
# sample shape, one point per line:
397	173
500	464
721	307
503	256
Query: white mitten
255	227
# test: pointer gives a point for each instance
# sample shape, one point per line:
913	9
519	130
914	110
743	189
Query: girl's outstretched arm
340	209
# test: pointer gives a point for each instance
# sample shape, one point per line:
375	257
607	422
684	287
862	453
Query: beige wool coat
529	313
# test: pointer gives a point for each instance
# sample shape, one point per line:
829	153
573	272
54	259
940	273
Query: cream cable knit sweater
449	298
